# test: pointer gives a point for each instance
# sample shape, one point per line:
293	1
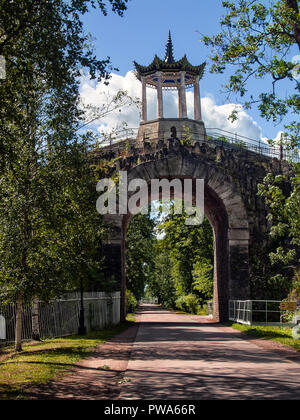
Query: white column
183	95
197	100
144	100
160	105
179	104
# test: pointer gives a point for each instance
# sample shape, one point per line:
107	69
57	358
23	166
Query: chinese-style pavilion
169	74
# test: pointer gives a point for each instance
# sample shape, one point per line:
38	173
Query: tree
110	104
42	238
203	279
49	228
140	254
19	17
283	200
169	260
187	250
258	40
45	40
161	284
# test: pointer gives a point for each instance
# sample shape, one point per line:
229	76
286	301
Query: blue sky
143	32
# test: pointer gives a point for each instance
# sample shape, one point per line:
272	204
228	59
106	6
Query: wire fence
61	317
261	312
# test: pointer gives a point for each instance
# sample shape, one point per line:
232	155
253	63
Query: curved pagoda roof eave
163	66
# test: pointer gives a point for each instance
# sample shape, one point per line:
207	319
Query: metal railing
260	312
210	308
213	136
115	138
61	317
234	140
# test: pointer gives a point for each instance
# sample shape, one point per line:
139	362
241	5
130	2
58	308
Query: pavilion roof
169	64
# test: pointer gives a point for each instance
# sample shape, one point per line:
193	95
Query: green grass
130	317
281	334
203	311
49	359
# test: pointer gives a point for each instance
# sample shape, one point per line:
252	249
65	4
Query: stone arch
225	209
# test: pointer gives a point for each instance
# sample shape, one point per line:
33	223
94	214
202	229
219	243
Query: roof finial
169	58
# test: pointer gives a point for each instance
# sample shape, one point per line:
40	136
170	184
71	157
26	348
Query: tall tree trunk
35	321
18	337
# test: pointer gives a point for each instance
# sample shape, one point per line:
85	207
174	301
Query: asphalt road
177	356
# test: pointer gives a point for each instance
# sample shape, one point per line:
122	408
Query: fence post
18	332
281	147
35	321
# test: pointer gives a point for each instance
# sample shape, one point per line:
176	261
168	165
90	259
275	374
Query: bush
188	303
203	311
131	302
203	272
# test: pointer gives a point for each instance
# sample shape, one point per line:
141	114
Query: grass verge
49	359
281	334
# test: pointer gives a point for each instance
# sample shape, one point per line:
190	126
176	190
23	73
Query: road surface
177	356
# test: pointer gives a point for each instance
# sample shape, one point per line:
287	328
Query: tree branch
293	4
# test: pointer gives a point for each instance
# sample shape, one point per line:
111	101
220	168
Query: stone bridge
181	148
236	213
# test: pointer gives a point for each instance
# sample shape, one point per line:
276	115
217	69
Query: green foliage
51	24
203	278
140	254
223	139
184	261
52	57
49	229
161	285
178	269
282	196
284	215
268	281
188	303
186	137
131	302
257	40
50	232
281	334
241	144
186	245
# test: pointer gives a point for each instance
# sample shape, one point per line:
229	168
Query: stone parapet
163	129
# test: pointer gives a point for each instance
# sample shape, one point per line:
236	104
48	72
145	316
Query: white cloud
95	94
214	116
